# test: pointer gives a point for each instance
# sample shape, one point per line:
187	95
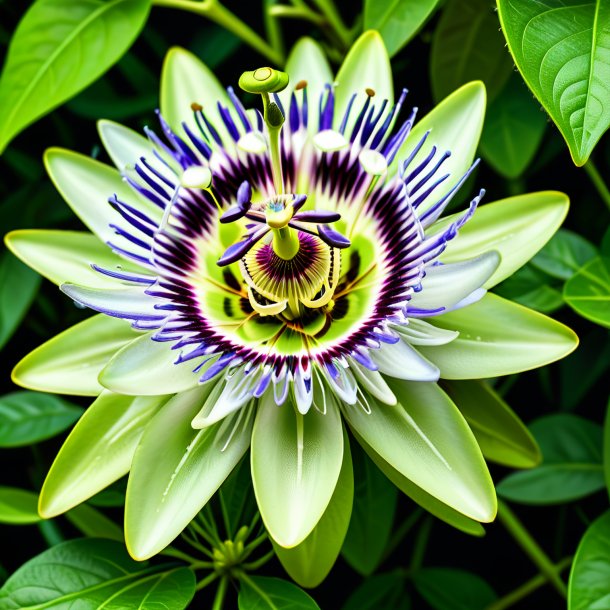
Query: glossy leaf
18	507
368	535
18	287
532	288
45	65
564	254
498	337
514	127
502	436
398	21
94	524
571	466
468	46
379	591
589	586
264	593
94	573
588	291
561	52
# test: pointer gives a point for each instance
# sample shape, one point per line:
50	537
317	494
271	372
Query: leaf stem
281	11
421	542
532	549
210	578
220	593
401	532
330	12
598	182
216	12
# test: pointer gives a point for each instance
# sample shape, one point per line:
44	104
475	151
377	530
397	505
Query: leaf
397	20
92	573
513	129
46	65
379	591
263	593
237	497
587	292
18	507
571	467
30	417
564	254
368	535
562	53
502	436
94	524
468	46
589	586
606	448
18	287
450	589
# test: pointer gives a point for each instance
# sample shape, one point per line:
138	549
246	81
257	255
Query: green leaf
565	254
589	586
309	563
468	46
18	287
98	451
18	507
30	417
176	470
94	524
498	337
237	497
368	535
502	436
46	65
561	52
263	593
92	573
587	292
571	467
513	130
516	228
530	287
287	464
397	20
606	448
450	589
379	591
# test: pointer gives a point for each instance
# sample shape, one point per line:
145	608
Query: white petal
420	332
330	140
373	382
400	360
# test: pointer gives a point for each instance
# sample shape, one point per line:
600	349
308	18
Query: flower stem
210	578
525	540
272	27
598	182
282	11
526	588
329	10
216	12
220	593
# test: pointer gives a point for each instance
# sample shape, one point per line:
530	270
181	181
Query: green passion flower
264	279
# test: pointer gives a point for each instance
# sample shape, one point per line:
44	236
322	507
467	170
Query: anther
195	107
300	85
370	92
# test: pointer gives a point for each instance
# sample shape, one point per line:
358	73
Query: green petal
310	562
63	256
176	470
516	227
86	184
184	80
98	451
146	367
455	125
307	62
71	362
124	146
426	439
498	337
296	460
367	65
502	436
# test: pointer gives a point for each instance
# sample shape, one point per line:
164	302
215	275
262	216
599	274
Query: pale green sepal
309	563
307	62
70	362
98	451
176	470
87	184
425	500
63	256
186	80
516	227
366	66
123	145
498	337
147	367
502	436
293	477
428	441
455	125
420	332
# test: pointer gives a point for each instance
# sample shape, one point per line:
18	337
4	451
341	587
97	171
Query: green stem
220	593
216	12
51	532
329	10
259	563
171	552
206	581
281	11
401	532
526	588
598	182
532	549
421	543
272	27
